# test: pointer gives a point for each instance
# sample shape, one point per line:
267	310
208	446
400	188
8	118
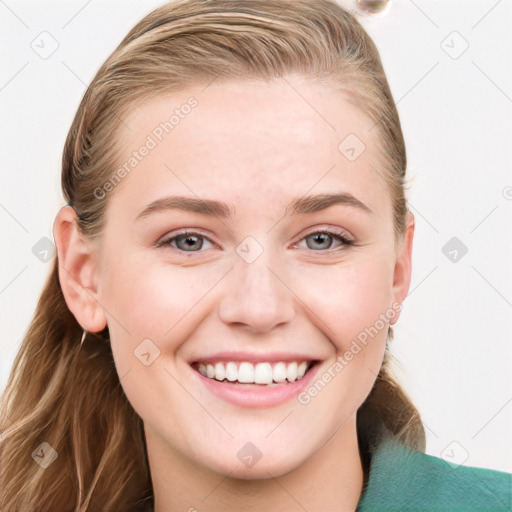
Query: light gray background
453	340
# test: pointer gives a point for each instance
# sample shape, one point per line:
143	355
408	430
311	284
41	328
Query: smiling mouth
263	373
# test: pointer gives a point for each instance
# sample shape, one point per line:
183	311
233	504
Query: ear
403	264
78	272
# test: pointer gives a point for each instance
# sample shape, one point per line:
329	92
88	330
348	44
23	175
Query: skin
250	145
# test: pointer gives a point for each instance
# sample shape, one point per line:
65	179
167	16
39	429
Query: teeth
279	372
246	373
231	372
260	373
301	369
291	372
220	371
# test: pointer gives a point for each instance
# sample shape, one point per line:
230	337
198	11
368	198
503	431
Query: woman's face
290	258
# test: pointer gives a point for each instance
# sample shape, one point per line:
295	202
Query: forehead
250	141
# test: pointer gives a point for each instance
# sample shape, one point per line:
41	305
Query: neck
331	479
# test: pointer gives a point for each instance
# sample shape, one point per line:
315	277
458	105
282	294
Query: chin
261	470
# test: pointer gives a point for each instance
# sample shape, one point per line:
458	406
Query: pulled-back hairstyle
70	397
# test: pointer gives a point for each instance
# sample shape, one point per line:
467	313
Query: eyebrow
212	208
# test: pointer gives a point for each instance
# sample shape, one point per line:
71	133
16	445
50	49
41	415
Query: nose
256	296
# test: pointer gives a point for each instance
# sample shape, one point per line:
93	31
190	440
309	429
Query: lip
254	357
258	396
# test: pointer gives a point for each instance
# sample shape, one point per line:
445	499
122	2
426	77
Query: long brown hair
70	396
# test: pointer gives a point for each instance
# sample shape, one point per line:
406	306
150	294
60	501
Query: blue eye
187	241
323	240
320	241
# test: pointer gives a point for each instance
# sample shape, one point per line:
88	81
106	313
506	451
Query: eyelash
331	232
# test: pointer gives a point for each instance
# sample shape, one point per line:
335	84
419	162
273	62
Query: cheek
352	310
348	299
145	299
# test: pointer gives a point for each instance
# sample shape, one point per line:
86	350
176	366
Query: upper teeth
260	373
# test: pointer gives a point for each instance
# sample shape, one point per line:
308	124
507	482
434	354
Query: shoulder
402	479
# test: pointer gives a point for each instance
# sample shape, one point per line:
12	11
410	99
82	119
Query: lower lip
258	396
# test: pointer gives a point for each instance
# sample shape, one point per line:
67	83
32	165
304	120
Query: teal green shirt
404	480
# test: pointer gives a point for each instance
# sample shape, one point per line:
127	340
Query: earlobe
403	264
78	271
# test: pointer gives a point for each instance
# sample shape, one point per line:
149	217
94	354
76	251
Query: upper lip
254	357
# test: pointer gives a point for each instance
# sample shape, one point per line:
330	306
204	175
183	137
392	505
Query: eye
186	241
323	240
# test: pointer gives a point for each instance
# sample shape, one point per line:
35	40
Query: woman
234	251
